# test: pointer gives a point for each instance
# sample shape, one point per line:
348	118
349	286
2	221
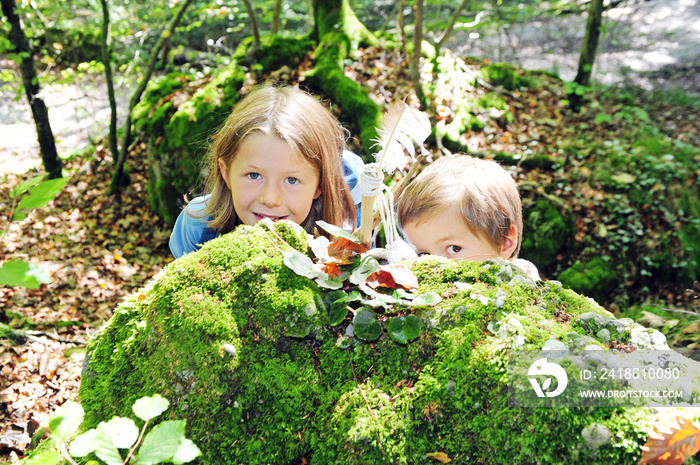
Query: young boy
464	208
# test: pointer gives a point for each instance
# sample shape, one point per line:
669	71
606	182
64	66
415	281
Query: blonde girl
279	155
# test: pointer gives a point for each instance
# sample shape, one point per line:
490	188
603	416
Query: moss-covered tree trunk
339	32
30	80
588	51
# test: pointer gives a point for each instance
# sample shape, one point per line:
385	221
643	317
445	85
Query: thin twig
138	442
366	401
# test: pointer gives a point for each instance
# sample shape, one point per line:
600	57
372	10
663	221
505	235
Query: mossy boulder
546	232
242	348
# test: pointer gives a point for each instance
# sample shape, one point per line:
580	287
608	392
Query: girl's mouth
260	216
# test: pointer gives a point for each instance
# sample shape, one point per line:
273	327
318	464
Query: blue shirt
190	233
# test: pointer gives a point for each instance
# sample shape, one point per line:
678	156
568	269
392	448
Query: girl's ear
318	193
223	169
510	243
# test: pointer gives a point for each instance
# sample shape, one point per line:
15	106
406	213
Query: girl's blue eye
292	181
253	176
423	254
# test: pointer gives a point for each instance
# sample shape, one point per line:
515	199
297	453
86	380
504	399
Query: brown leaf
393	276
440	456
343	249
332	269
672	442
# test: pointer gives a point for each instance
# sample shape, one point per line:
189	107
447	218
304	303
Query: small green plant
29	195
166	442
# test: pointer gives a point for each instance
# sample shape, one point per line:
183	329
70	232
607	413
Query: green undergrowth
244	350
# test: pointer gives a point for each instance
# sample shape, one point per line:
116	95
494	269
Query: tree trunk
402	31
120	177
30	80
417	47
450	26
107	60
588	51
275	26
252	17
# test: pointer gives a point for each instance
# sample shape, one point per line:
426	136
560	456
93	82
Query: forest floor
99	248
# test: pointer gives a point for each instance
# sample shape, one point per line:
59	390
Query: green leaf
624	178
24	186
51	457
403	330
161	443
187	452
122	432
300	264
147	408
66	419
337	305
326	281
367	266
366	325
86	443
107	451
24	274
426	300
336	231
39	196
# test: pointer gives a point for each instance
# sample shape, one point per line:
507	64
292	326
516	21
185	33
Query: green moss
595	278
275	51
546	232
506	75
176	132
240	346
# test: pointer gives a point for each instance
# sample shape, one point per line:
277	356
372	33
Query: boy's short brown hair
486	195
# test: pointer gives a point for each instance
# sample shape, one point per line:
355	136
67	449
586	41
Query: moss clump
241	347
546	231
275	51
595	278
506	75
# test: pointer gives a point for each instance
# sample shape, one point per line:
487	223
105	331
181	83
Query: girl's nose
270	196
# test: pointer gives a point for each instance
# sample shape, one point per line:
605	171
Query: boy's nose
270	196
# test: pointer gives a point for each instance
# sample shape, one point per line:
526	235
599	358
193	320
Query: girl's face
268	180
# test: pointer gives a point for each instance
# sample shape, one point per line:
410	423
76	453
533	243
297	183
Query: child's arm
190	230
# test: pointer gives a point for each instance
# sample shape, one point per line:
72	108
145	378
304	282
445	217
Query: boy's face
446	234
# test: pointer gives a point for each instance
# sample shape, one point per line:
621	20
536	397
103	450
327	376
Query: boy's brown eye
453	249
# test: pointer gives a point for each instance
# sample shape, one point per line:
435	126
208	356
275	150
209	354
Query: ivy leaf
392	276
66	419
337	304
162	442
366	325
300	264
403	330
426	300
336	231
672	442
147	408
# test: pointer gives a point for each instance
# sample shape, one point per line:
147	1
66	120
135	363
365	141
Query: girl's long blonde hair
300	120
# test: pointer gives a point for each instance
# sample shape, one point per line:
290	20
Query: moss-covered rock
242	348
595	278
546	231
